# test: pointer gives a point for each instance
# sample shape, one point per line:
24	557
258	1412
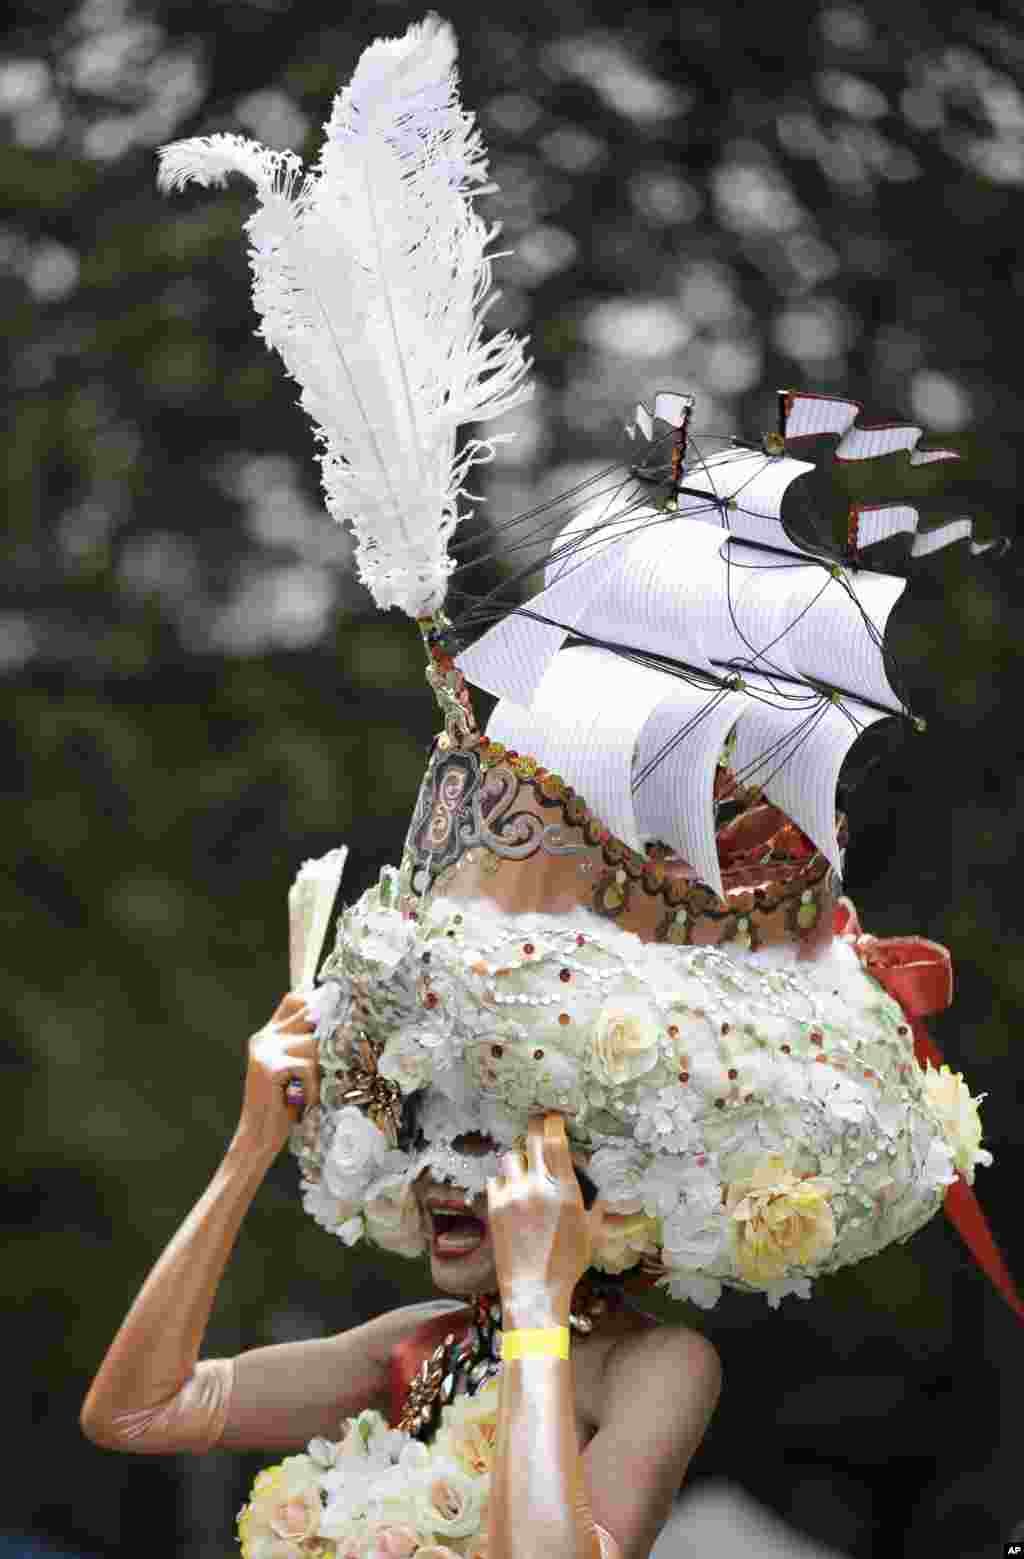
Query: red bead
684	1077
816	1038
431	998
565	975
580	940
528	948
732	1074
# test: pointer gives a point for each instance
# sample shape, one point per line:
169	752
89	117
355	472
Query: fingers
548	1147
304	1048
301	1087
289	1004
296	1023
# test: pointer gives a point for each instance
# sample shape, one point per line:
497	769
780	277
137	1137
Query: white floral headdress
749	1120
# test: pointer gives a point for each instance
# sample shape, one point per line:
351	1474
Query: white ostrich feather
371	279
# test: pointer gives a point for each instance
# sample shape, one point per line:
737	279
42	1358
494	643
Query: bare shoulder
634	1342
393	1326
659	1388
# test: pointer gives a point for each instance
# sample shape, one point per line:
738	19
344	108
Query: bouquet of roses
378	1493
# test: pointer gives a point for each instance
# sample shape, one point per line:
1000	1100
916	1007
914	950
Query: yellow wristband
533	1342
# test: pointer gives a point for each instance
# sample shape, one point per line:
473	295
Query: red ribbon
919	975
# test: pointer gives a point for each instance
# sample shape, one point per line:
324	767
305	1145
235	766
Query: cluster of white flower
377	1491
748	1118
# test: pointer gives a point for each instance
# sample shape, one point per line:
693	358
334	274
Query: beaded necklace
476	1357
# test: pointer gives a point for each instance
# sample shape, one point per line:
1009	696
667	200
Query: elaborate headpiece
621	902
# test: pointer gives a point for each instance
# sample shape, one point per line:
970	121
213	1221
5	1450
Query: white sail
868	443
604	721
809	416
875	522
746	489
794	750
669	407
642	747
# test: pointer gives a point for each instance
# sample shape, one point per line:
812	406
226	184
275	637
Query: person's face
461	1256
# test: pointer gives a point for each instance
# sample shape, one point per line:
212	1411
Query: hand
278	1054
540	1232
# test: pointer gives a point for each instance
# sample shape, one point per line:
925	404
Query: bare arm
151	1393
540	1501
537	1464
659	1390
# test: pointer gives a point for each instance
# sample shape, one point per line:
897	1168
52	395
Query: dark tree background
198	695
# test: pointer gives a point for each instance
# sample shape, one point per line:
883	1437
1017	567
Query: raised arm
539	1505
151	1393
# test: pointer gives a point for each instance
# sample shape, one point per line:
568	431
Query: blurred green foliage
198	695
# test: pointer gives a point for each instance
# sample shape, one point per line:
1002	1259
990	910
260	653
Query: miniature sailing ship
658	779
714	657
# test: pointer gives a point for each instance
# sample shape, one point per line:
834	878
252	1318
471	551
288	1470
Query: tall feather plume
371	279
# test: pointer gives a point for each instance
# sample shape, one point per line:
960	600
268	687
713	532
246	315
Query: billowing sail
641	745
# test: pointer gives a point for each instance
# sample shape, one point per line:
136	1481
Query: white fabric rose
283	1511
662	1184
449	1501
696	1233
618	1171
624	1040
359	1150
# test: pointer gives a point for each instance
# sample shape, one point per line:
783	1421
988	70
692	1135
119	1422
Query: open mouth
456	1234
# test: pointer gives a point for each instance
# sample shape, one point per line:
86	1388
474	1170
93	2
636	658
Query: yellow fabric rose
624	1040
623	1239
469	1431
283	1513
779	1220
957	1112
